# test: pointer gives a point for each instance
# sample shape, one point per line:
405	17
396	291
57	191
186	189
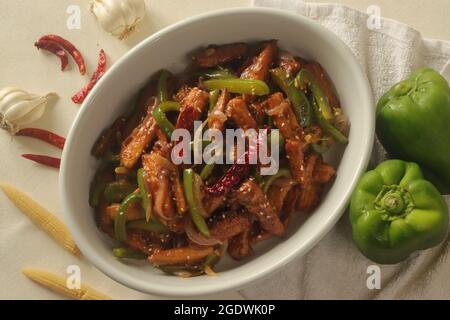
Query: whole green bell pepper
394	212
413	124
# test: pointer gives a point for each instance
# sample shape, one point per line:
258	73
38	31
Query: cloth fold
334	269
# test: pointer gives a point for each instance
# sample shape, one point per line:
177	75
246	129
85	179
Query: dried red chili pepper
54	48
231	178
236	173
44	135
67	45
79	97
45	160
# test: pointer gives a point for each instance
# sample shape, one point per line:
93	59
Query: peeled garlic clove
118	17
9	90
19	108
12	99
31	117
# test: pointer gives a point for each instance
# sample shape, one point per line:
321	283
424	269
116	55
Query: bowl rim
94	258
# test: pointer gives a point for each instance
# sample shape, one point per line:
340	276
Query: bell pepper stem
394	201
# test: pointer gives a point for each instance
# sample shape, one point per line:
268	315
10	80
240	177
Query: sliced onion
342	123
197	237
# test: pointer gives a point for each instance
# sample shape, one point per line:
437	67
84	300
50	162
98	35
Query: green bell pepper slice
207	170
117	191
305	79
145	195
159	114
120	227
161	88
413	120
194	205
240	86
126	253
213	97
152	225
219	73
269	180
395	212
326	125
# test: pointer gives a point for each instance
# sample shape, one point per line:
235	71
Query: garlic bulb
19	108
118	17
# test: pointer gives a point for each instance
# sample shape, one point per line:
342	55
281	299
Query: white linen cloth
334	269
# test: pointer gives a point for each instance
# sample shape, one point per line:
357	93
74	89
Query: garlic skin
118	17
19	108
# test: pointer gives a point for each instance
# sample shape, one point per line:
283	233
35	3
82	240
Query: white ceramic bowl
169	49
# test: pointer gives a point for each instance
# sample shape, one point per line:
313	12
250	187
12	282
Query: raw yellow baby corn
42	217
58	284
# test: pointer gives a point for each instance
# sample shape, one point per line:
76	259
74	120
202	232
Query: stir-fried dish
183	217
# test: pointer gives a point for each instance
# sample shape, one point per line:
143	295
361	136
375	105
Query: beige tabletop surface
23	21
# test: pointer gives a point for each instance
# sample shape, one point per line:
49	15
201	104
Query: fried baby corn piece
165	185
315	176
230	224
42	218
285	120
217	117
295	152
144	241
192	107
182	93
108	137
259	68
237	110
144	100
251	196
162	146
257	112
290	203
278	192
217	55
134	211
212	203
239	246
179	256
290	64
135	144
59	284
283	116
